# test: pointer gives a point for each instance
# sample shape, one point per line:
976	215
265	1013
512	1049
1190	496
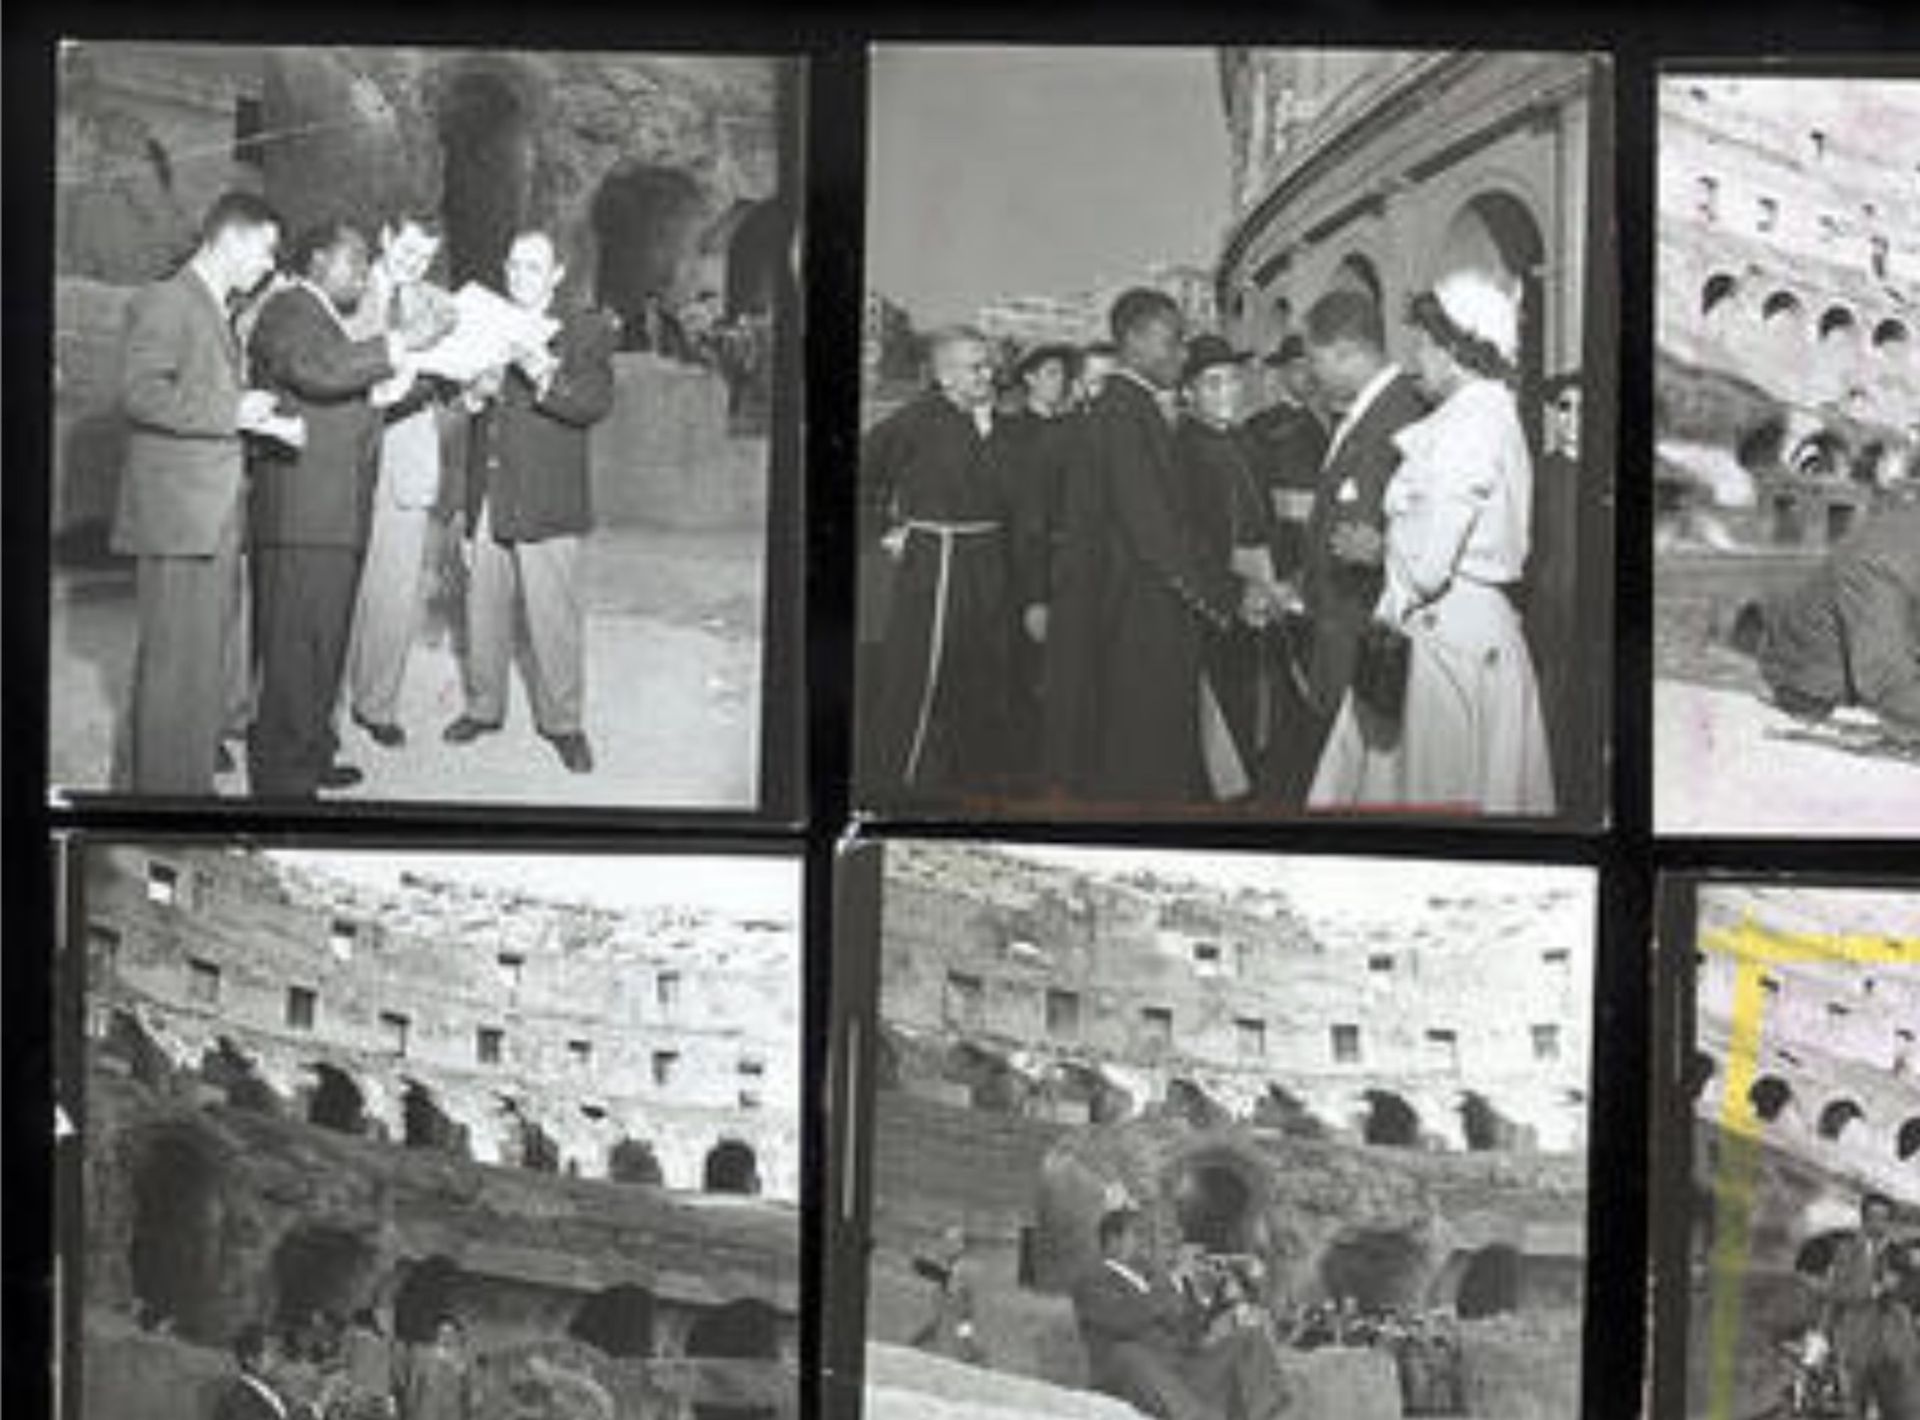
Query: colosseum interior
574	1128
1359	1101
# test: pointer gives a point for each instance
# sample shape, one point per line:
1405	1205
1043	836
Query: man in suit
938	471
182	390
1145	1344
1158	589
1847	634
1872	1330
310	507
248	1395
1345	538
529	510
407	490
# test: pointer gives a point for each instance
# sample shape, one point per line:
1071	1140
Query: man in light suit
310	509
406	492
1146	1343
247	1395
1345	539
183	392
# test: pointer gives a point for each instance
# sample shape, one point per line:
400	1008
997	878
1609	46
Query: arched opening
1358	273
1186	1101
1837	1115
127	1041
1758	448
424	1125
645	222
318	1270
532	1147
425	1295
739	1331
1279	1108
1906	1144
1483	1126
1822	454
633	1161
1390	1121
1890	336
1216	1204
1496	233
1780	311
1379	1269
231	1070
1491	1283
1717	291
336	1102
1700	1067
618	1321
731	1167
1814	1257
757	247
179	1243
1837	323
486	167
1769	1095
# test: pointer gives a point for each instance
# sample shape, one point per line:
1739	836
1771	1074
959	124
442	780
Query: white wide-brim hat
1483	308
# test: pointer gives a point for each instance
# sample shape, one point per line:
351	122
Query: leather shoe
385	734
340	776
574	751
466	730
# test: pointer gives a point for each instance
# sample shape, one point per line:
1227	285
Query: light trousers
526	595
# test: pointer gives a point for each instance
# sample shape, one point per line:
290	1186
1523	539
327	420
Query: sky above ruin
757	886
1025	171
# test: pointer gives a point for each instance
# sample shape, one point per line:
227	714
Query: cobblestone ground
673	688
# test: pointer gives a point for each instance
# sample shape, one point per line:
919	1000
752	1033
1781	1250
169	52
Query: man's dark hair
250	1344
423	218
236	209
1138	307
321	236
1111	1226
1347	315
1877	1200
1103	348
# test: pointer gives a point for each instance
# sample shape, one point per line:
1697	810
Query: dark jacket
180	383
1039	451
237	1400
1341	596
527	458
1112	1312
321	494
1286	444
1161	588
1851	632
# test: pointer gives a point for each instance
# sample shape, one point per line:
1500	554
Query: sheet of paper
488	331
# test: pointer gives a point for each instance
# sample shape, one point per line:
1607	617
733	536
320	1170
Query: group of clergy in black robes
1104	585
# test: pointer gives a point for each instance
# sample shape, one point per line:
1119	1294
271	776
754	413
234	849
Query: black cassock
1228	512
1038	452
1157	589
940	683
1286	445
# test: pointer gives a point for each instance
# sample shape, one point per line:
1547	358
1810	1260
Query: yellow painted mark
1754	949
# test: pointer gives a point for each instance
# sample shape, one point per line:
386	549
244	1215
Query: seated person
1144	1344
1850	633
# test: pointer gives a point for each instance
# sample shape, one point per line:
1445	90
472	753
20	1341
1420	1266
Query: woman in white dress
1470	738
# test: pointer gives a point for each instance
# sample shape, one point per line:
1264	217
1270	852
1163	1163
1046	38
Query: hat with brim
1293	347
1481	307
1207	352
1033	359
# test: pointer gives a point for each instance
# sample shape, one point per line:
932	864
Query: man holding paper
529	505
182	389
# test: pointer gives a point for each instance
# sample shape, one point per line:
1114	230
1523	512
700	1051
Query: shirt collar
199	271
1165	400
1132	1278
266	1392
1362	402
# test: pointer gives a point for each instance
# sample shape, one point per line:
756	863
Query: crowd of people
1112	581
325	1367
290	420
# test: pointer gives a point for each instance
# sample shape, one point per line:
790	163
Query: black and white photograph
1237	434
1224	1135
423	422
1787	434
1798	1287
409	1135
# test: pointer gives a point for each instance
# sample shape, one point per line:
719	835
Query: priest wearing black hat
1234	528
1287	443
